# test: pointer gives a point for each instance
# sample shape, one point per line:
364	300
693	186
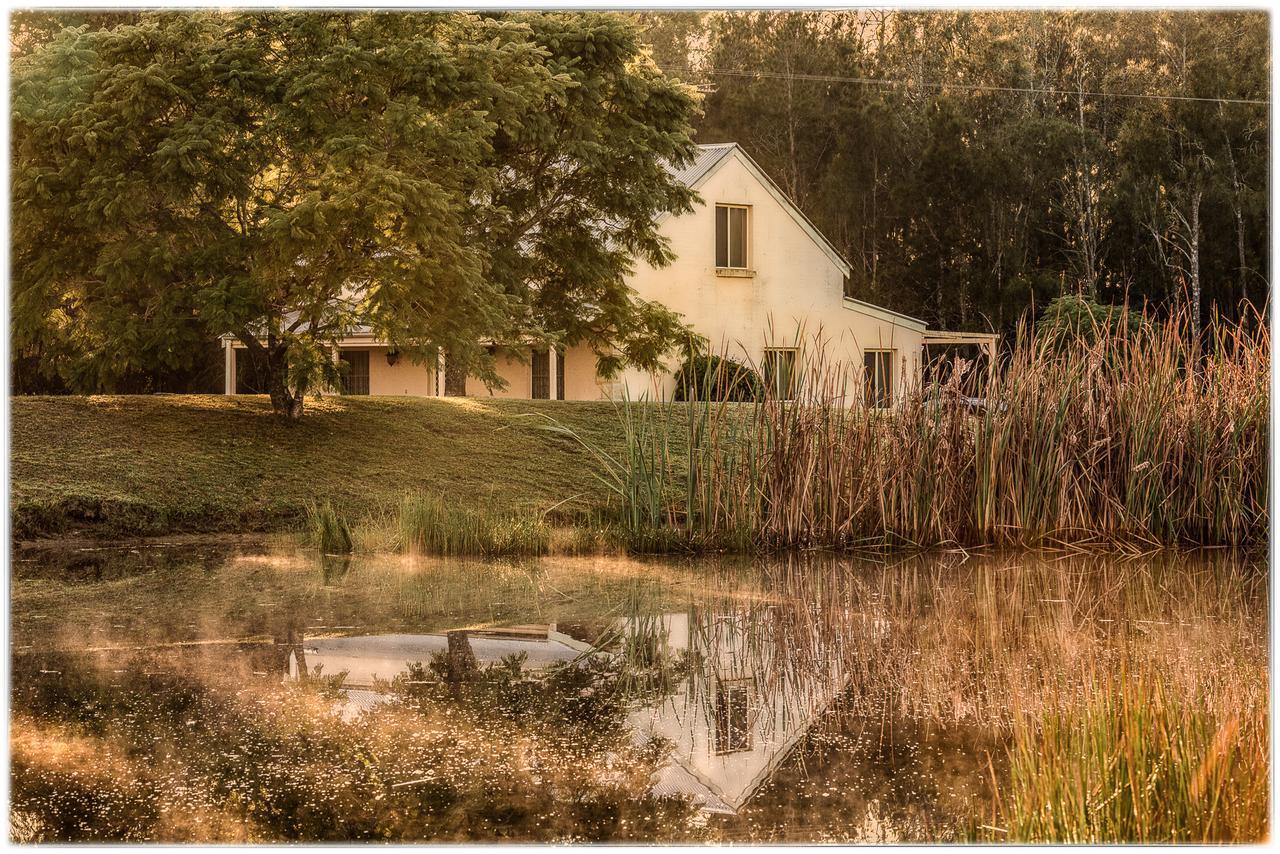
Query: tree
1073	319
969	165
440	179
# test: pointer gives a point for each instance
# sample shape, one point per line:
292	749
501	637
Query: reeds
1136	436
431	524
1139	764
327	530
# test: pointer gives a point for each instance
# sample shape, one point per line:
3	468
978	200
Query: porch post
440	372
551	369
229	368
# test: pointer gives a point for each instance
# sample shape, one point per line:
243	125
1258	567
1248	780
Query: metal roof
707	158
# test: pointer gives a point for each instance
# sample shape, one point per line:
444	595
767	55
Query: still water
256	692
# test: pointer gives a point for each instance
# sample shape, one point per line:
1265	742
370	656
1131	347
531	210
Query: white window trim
795	366
745	269
893	352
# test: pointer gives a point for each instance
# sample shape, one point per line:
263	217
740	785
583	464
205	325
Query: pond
257	692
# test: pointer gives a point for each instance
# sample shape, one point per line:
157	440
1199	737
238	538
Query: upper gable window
731	236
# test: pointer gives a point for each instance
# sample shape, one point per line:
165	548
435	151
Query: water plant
1136	435
1139	763
327	530
432	524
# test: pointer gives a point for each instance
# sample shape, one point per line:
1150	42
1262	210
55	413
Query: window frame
870	399
348	388
725	739
540	375
792	381
728	207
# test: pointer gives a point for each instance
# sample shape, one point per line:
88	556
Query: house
751	274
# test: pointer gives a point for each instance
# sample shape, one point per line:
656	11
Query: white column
229	362
440	373
551	369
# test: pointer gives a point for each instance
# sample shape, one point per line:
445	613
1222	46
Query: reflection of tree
515	756
461	660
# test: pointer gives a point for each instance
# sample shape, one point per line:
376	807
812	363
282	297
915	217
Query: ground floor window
877	371
356	376
541	380
780	371
248	379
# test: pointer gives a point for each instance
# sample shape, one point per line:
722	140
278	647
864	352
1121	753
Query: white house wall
797	290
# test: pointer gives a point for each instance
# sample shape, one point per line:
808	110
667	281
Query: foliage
965	204
288	177
1077	318
706	376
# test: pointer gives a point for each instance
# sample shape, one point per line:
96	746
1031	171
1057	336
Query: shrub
1075	318
718	378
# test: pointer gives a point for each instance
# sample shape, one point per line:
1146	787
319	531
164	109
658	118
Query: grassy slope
152	465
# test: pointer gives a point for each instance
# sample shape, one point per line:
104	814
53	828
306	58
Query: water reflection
271	695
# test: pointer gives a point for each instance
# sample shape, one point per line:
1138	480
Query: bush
1075	318
709	377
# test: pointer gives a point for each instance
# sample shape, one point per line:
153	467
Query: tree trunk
1193	258
285	402
271	361
461	661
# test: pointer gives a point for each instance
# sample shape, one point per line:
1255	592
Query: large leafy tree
444	180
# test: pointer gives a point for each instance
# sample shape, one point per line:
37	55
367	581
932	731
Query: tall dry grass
1136	437
1138	763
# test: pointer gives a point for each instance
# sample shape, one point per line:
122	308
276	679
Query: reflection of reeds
1135	437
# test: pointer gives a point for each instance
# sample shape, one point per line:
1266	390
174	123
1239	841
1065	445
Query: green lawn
124	465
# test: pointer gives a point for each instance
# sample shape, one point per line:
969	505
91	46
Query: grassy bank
1133	439
145	465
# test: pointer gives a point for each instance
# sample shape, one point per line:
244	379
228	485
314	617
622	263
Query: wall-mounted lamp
393	356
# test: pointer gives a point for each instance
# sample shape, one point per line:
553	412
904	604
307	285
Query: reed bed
1139	764
1134	437
327	530
432	524
1096	699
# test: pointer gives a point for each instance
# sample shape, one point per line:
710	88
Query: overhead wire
973	87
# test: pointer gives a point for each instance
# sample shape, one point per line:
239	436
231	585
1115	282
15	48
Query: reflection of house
368	659
748	693
743	706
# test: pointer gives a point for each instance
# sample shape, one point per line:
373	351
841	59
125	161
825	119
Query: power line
970	87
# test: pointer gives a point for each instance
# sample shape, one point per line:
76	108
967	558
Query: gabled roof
708	161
